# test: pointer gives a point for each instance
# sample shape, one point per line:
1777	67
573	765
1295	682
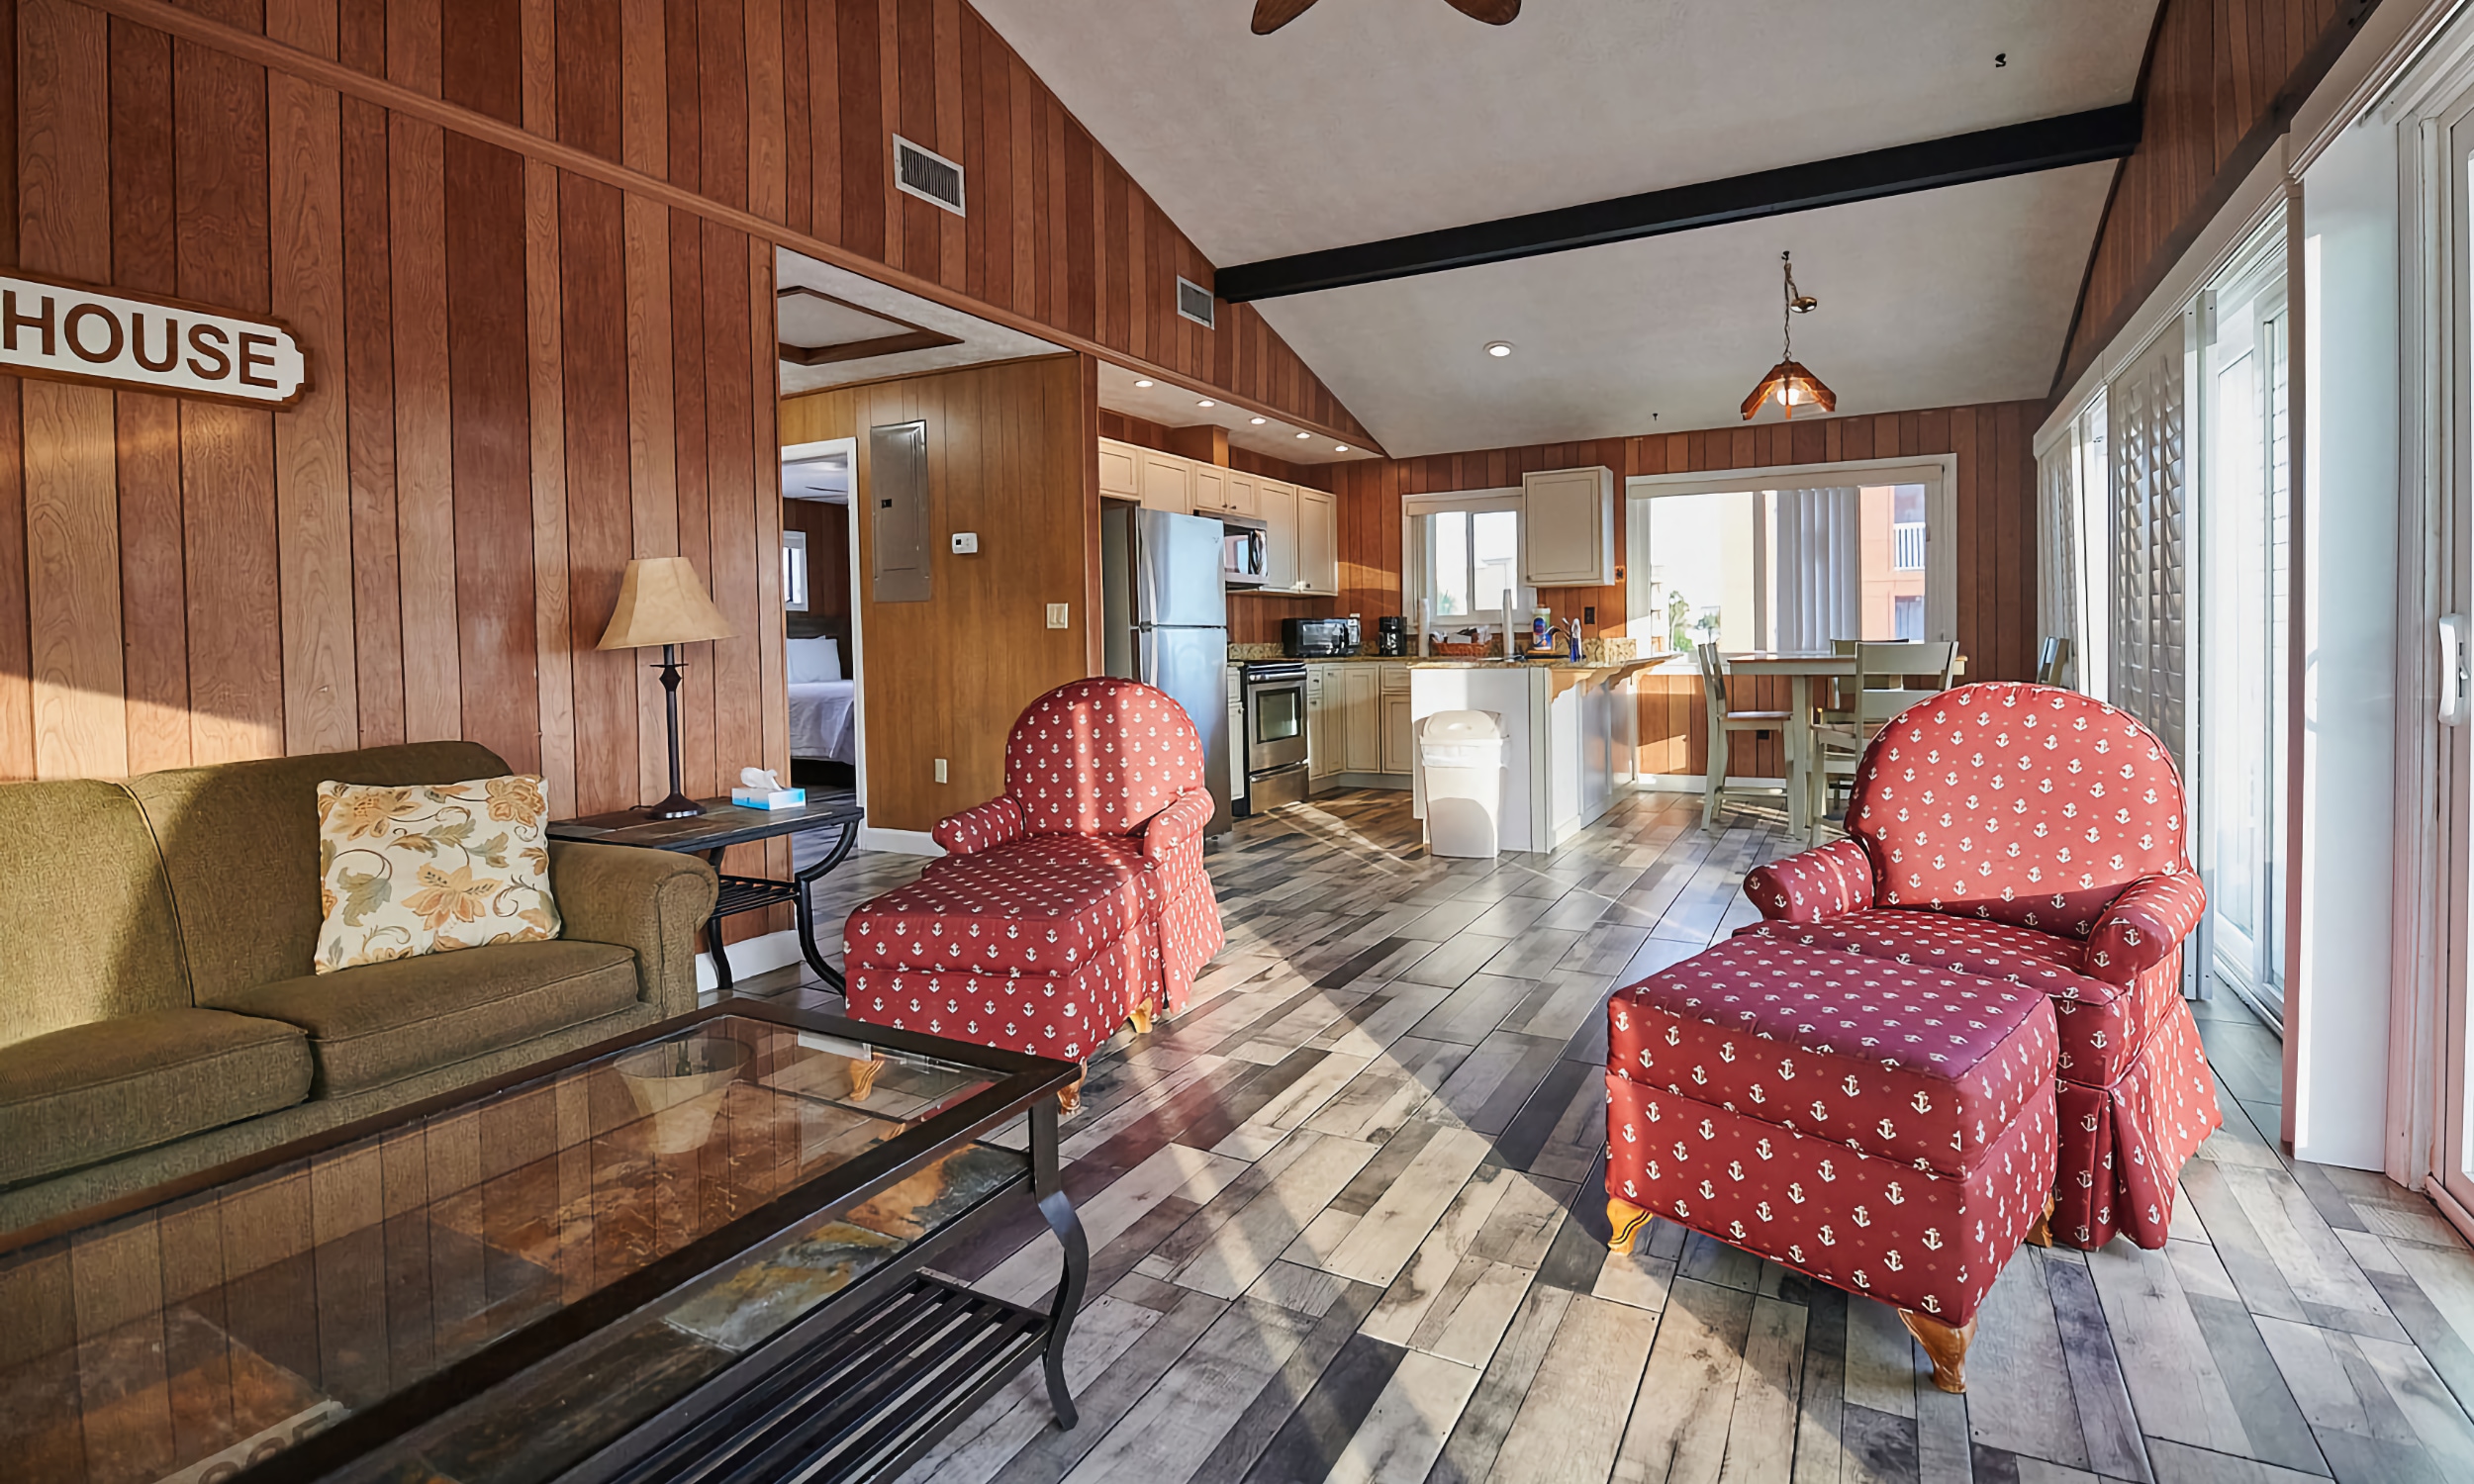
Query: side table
724	824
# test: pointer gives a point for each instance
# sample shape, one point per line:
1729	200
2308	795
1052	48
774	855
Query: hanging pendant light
1788	382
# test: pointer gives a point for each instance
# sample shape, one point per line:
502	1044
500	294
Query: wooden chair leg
863	1076
1142	1019
2042	1234
1627	1220
1070	1101
1945	1347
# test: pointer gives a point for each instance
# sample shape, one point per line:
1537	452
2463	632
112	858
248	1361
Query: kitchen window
1465	549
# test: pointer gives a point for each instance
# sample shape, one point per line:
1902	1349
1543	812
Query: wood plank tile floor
1346	1224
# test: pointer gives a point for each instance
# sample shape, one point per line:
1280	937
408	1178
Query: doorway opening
820	622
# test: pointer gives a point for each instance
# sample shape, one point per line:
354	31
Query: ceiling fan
1271	15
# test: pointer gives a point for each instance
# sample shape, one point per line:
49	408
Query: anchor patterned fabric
1830	881
1055	913
1890	1130
2034	836
1099	757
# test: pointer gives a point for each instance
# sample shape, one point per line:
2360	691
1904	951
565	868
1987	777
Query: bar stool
1724	720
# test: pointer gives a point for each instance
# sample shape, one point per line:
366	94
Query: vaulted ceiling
1371	118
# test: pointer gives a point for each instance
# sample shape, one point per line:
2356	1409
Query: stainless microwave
1245	552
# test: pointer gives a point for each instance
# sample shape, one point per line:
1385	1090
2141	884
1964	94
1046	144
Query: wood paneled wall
828	528
1996	537
1012	456
780	114
529	246
2221	81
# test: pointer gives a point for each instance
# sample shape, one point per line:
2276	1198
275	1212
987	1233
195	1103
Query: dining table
1805	803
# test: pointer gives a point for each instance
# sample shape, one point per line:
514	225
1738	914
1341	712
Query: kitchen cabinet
1167	482
1238	490
1210	496
1399	747
1361	719
1322	736
1357	721
1278	506
1118	465
1568	528
1318	542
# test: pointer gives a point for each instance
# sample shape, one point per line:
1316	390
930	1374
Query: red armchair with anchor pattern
1066	905
2034	835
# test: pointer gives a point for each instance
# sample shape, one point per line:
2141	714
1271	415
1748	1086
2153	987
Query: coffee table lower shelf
864	1401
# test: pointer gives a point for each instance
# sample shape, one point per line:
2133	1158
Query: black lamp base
676	806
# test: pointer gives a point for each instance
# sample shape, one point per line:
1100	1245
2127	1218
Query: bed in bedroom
821	704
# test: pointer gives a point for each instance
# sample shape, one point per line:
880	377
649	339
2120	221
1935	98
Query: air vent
927	175
1194	301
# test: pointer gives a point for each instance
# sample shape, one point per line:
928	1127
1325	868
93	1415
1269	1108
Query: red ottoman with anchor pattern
1885	1128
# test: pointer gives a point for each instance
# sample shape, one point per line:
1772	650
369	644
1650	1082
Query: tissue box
759	798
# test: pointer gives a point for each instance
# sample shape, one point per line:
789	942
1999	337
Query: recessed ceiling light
1498	348
1340	448
1305	435
1142	381
1258	421
1206	402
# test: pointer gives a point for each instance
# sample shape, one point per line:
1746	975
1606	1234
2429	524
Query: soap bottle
1541	631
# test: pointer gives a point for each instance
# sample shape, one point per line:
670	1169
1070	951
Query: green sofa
158	1009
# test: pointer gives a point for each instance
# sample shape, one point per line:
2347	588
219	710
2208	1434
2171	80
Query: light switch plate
1056	615
966	542
941	770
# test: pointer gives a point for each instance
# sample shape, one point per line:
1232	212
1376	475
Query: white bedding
820	722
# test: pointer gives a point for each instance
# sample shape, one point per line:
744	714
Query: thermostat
966	542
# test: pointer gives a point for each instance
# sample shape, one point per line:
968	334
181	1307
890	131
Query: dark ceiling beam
2100	134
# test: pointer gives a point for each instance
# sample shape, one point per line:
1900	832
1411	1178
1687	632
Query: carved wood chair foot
1945	1347
1627	1220
1142	1020
863	1076
1070	1101
2042	1234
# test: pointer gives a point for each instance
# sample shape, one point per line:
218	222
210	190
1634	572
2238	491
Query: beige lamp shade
661	602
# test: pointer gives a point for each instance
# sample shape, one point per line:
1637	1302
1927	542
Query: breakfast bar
1571	735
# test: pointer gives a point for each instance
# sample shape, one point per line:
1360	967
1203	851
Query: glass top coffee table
692	1252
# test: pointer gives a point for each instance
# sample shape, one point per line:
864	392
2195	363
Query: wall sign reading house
77	333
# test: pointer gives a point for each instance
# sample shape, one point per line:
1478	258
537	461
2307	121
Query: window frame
1937	473
1418	583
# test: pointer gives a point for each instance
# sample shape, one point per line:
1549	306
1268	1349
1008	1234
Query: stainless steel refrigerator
1164	619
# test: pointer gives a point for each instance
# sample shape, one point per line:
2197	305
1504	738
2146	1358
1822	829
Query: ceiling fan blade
1492	12
1271	15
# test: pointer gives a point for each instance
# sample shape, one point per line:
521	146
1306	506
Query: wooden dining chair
1724	722
2052	660
1877	693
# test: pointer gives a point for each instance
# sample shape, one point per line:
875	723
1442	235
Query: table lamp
660	601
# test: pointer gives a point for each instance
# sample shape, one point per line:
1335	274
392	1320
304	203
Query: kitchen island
1572	731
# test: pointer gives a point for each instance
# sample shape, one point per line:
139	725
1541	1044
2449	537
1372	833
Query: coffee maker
1391	634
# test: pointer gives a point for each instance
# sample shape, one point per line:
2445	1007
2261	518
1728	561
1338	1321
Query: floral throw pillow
431	867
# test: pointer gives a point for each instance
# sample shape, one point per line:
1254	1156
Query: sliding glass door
2245	522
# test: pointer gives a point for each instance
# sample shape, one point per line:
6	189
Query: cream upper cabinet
1118	463
1168	483
1568	529
1210	489
1279	512
1318	542
1238	490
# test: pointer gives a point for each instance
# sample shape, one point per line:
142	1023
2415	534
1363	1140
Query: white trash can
1464	754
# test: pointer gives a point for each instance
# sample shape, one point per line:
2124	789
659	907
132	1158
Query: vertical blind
2150	519
1820	570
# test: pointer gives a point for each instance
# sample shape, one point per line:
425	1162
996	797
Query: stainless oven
1244	551
1276	745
